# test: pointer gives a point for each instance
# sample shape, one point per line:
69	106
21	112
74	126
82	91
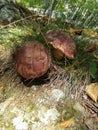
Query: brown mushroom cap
62	42
32	60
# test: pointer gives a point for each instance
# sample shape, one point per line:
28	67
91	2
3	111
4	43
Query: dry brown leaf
75	31
92	91
1	88
67	123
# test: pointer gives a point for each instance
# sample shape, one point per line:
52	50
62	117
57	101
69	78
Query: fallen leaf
67	123
75	31
92	91
1	88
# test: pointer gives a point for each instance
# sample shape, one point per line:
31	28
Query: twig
88	127
91	106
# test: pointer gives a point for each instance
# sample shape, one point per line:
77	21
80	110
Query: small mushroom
62	43
32	60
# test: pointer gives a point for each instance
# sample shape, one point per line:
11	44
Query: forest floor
59	104
47	107
51	106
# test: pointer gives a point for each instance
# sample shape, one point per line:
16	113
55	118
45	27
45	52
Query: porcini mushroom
62	43
32	60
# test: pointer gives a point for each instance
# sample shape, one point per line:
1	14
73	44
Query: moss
9	126
1	121
69	112
30	107
82	127
36	119
5	123
11	115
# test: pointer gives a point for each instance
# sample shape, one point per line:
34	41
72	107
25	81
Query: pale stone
57	94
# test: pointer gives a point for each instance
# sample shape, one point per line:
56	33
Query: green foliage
82	13
31	3
93	69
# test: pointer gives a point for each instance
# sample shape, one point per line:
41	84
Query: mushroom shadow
37	81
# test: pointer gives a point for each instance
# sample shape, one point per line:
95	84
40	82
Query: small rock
34	87
17	120
57	94
50	116
20	124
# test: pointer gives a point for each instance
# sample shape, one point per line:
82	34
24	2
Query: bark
10	11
